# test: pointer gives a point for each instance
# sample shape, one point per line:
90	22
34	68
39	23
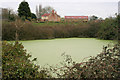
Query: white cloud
60	0
101	8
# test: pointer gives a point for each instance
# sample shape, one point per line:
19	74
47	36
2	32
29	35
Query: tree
108	29
8	14
24	10
93	17
40	11
33	16
5	14
37	13
47	9
16	63
118	19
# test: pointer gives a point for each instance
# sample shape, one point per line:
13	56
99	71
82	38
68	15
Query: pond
49	51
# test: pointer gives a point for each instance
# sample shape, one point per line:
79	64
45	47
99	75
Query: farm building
76	18
50	17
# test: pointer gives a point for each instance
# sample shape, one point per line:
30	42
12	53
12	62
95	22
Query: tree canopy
33	16
24	10
8	14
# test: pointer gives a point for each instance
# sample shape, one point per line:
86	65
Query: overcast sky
100	8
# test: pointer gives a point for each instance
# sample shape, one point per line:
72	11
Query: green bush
108	29
16	63
104	65
8	31
31	31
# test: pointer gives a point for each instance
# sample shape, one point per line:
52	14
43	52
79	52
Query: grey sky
100	8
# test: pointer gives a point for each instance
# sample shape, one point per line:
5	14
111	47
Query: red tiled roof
46	14
76	17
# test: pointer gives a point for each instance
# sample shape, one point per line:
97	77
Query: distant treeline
106	29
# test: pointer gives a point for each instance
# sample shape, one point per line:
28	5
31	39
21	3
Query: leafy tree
24	10
33	16
118	19
108	29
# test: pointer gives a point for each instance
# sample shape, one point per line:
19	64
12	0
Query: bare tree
47	9
18	25
40	11
8	14
37	13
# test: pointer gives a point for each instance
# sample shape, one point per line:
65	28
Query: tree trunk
16	35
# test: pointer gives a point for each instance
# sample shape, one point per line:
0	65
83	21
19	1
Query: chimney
56	12
52	11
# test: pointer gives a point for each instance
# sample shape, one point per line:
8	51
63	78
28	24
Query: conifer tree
24	10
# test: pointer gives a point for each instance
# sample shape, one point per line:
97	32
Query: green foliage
33	16
108	29
31	31
118	19
8	31
93	29
16	63
23	18
11	17
8	14
104	65
24	10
